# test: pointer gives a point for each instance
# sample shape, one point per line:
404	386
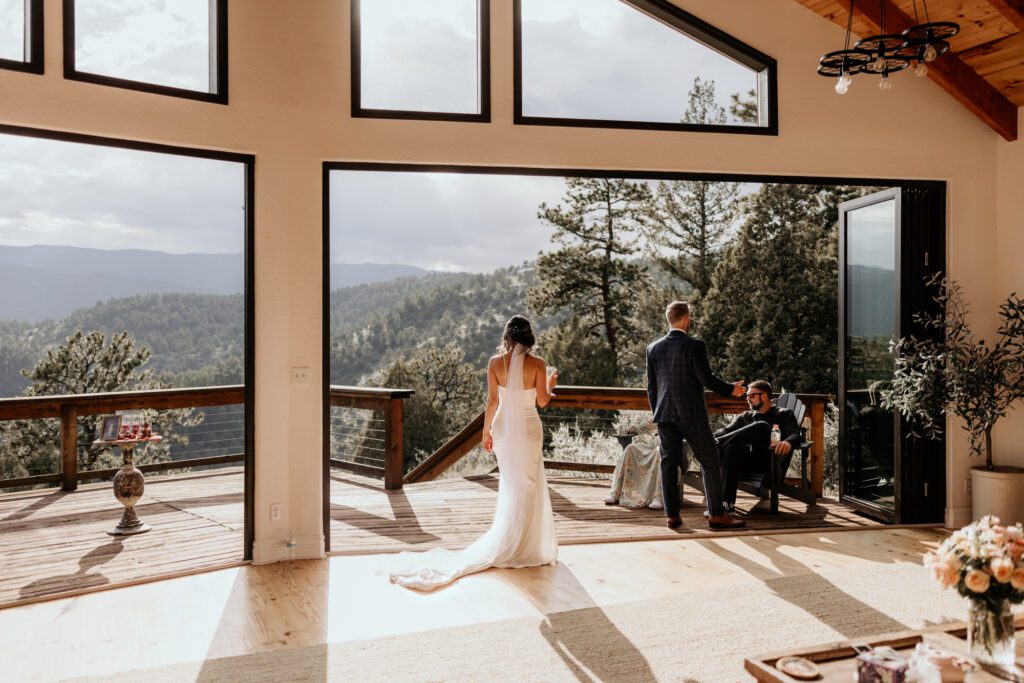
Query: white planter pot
999	493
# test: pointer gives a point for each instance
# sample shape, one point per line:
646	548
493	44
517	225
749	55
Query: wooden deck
52	542
454	512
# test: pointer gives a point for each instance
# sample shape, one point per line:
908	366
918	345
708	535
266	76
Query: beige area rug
697	636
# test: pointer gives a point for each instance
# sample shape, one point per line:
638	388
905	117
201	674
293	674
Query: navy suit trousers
702	443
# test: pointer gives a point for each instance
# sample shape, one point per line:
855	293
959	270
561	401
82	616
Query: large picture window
171	47
21	35
126	281
421	60
636	64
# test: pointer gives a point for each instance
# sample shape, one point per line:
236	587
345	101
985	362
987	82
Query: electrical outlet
968	489
300	375
275	512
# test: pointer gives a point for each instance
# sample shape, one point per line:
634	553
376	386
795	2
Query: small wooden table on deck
837	662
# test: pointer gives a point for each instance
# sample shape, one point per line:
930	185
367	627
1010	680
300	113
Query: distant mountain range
46	282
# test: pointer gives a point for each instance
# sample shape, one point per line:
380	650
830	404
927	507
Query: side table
129	485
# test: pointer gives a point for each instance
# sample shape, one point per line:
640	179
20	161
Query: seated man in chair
745	445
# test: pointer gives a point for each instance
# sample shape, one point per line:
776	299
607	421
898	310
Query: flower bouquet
985	562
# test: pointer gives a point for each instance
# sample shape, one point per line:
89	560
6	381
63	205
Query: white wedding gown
523	531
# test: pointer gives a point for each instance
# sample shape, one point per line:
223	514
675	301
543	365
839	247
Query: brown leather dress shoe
673	522
725	522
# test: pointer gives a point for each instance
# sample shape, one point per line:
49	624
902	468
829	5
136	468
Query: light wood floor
53	542
346	598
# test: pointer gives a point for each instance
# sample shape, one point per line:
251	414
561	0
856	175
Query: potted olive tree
951	372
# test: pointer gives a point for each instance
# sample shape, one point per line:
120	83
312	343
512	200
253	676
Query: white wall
289	106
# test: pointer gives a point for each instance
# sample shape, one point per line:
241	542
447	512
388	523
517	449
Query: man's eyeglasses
752	394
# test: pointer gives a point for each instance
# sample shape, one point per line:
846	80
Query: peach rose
1017	578
1002	569
945	575
977	581
1017	550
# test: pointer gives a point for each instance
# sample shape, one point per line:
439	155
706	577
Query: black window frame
933	469
218	67
249	294
34	40
695	28
355	75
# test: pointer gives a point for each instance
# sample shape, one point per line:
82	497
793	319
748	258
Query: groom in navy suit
677	372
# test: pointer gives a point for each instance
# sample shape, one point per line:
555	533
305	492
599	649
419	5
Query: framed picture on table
110	427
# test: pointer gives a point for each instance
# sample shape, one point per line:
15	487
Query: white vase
999	493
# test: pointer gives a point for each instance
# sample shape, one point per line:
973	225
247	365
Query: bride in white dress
523	531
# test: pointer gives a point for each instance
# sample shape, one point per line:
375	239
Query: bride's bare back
534	376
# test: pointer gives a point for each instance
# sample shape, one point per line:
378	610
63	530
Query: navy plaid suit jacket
677	372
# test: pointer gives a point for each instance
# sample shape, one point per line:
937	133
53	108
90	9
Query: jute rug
696	636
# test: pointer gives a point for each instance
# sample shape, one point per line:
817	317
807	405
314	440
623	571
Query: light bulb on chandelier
841	87
921	70
930	53
885	83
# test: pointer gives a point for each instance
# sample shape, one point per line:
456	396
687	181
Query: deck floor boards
52	542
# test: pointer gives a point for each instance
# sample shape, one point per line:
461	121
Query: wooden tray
837	661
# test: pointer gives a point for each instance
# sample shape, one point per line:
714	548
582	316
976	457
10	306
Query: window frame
484	61
34	41
690	25
635	173
218	67
248	295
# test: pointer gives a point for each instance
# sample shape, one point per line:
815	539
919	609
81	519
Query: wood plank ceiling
984	69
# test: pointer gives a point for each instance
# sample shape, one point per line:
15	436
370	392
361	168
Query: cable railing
587	412
49	438
366	426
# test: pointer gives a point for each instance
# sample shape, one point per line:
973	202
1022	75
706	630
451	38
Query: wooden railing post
818	449
394	417
68	447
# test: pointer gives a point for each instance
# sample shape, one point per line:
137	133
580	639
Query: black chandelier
888	53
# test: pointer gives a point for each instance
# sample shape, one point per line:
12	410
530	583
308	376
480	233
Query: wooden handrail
41	407
619	398
70	407
449	453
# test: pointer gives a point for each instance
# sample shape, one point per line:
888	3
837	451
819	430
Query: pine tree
744	107
772	310
592	274
449	393
690	221
86	364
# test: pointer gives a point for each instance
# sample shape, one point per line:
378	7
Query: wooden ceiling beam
1012	11
950	72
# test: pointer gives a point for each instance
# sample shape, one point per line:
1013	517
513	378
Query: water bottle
776	434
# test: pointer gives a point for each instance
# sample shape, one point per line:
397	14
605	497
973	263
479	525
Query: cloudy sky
156	41
12	29
439	221
61	193
69	194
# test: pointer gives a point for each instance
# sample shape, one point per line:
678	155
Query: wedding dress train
523	531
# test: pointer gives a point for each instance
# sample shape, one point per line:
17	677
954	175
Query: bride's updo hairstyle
517	331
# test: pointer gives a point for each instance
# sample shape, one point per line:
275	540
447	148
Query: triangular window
637	64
